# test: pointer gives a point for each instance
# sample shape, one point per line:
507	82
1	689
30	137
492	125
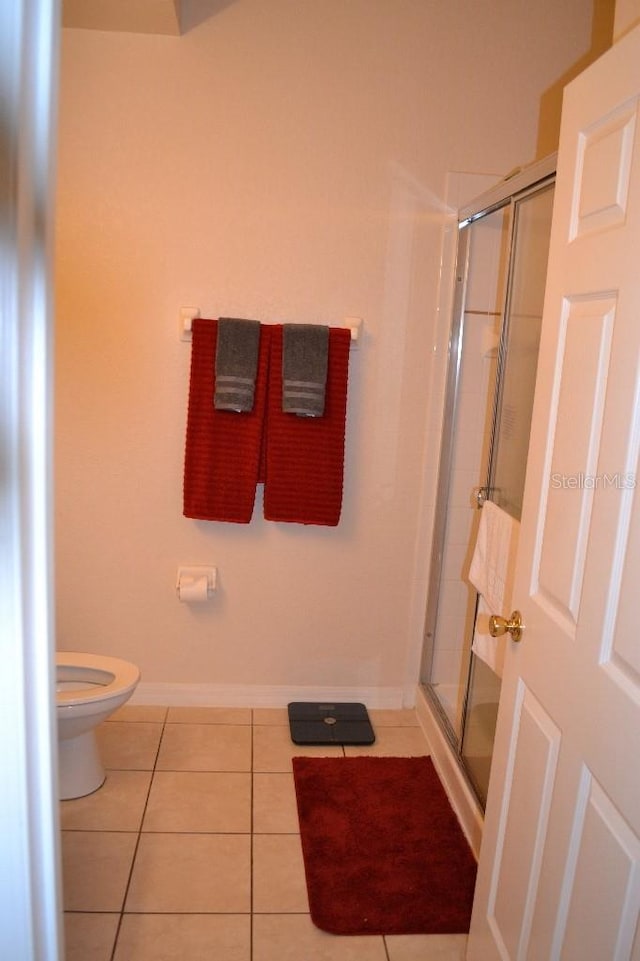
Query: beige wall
627	16
282	160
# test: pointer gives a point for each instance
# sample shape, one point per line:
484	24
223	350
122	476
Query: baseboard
246	695
462	799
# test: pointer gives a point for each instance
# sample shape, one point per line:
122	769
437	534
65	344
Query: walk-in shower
503	244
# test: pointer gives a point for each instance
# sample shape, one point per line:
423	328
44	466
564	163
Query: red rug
383	850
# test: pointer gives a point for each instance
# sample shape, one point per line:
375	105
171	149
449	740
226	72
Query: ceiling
131	16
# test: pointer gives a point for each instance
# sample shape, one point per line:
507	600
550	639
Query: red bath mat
383	850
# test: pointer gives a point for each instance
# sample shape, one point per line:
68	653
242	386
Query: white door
559	873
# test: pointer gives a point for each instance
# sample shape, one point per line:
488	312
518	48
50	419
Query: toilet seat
91	677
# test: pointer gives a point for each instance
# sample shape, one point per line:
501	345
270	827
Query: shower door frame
505	194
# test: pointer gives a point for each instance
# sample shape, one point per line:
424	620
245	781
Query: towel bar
187	314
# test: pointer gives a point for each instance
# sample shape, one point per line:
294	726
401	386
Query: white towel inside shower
488	649
491	573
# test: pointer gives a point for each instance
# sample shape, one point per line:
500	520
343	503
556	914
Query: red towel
223	449
305	455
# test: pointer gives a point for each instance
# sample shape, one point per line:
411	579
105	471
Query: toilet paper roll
193	590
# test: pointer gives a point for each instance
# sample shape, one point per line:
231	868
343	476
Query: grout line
135	850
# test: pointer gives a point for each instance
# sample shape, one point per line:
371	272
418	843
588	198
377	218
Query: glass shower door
519	353
473	359
515	387
503	244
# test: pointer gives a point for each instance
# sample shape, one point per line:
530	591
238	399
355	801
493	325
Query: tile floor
190	850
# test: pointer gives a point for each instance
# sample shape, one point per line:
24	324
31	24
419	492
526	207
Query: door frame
30	890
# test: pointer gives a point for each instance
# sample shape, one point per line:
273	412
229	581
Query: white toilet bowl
89	687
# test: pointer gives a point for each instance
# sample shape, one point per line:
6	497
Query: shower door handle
500	625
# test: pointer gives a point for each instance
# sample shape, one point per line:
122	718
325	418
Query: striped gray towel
237	346
305	352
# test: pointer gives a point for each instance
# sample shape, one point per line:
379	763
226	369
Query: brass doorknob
500	625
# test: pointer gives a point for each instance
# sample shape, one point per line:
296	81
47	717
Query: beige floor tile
117	806
275	810
139	712
191	883
271	715
89	936
205	747
199	801
426	947
95	869
191	873
187	937
393	742
383	717
291	937
273	749
129	745
209	715
278	874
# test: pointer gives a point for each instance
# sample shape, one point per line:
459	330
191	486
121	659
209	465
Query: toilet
89	687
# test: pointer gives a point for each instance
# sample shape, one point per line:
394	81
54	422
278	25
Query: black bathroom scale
325	723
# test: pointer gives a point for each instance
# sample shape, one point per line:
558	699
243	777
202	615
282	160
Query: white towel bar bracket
187	314
186	317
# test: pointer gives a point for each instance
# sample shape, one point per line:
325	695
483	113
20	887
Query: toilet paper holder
190	577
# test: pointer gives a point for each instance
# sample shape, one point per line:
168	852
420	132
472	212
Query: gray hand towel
237	347
305	350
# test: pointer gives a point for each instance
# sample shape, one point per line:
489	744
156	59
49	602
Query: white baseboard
245	695
458	791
